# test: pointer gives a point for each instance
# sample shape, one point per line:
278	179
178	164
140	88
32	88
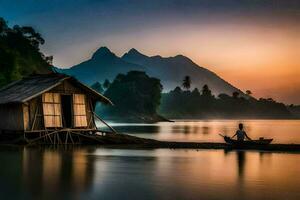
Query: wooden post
92	113
35	114
46	135
90	121
71	137
66	141
111	128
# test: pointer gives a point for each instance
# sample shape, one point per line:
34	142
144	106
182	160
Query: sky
253	44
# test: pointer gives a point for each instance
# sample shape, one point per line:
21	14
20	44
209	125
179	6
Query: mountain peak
133	53
103	52
182	58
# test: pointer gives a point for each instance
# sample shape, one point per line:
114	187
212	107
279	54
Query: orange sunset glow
254	45
261	58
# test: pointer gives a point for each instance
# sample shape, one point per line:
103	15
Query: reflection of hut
47	104
46	172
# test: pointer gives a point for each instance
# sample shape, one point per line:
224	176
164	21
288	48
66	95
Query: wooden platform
53	136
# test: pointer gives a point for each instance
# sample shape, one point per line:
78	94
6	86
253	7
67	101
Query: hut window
79	110
52	110
26	116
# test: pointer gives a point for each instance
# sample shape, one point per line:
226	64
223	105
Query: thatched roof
30	87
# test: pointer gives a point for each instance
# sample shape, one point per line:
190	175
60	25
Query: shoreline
172	120
132	142
124	141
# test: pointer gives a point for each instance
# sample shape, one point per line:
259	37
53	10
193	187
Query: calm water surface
283	131
98	173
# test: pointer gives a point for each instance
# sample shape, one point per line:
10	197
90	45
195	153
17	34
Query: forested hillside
19	53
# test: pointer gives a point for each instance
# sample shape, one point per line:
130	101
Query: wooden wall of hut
11	117
36	120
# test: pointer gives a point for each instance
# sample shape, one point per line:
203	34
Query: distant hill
106	65
102	65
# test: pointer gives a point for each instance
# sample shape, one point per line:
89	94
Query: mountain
102	65
171	71
106	65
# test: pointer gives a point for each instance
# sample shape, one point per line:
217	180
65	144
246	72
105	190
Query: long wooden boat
260	141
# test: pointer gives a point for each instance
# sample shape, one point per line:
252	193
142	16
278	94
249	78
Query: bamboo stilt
111	128
67	134
71	138
34	119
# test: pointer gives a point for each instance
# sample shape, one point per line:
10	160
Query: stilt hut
39	106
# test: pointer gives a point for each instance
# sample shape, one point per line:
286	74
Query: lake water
283	131
100	173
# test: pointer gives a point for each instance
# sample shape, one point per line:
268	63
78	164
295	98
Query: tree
177	90
248	92
106	84
235	95
3	26
206	91
28	32
224	97
133	94
196	92
187	82
270	99
98	87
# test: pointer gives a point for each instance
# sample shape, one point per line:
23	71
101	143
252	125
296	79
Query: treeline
19	53
180	103
138	98
295	110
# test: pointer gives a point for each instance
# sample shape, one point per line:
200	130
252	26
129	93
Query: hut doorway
66	104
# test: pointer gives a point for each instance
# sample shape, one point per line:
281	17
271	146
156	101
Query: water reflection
138	129
188	129
283	131
241	163
185	129
240	160
94	173
49	171
206	130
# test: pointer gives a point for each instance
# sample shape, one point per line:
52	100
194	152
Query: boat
260	141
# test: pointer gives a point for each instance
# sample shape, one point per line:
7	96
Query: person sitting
241	134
